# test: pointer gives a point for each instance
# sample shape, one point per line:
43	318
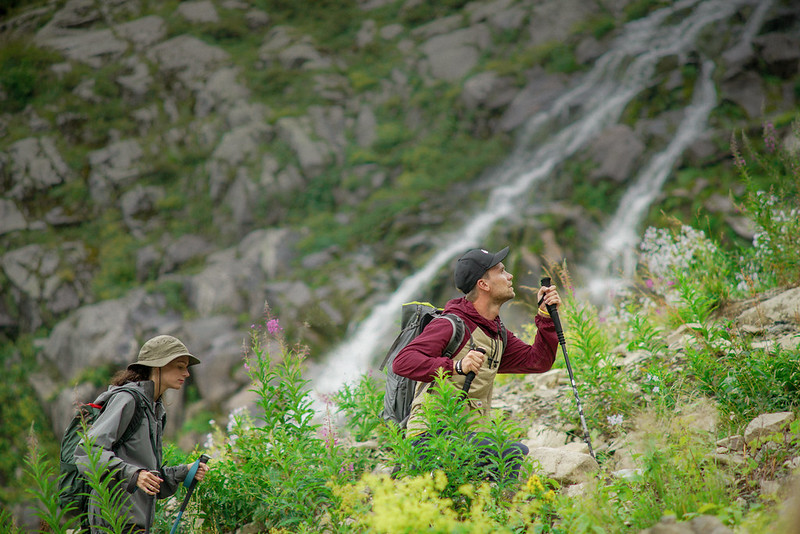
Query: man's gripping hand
472	362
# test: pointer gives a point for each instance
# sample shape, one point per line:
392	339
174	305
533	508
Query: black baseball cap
473	264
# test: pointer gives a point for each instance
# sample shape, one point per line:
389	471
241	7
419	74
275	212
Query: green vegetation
287	473
427	143
23	69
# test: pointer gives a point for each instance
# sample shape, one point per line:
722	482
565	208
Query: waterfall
595	103
618	241
613	263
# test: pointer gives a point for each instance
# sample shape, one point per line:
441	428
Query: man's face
500	288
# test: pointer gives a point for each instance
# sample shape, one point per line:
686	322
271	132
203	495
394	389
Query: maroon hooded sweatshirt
420	359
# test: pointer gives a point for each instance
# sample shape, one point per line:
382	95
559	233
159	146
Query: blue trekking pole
553	311
189	482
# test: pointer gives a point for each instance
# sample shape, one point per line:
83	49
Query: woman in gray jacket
163	364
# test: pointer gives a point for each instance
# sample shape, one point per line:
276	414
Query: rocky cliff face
159	146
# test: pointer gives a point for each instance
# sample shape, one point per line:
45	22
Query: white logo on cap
485	251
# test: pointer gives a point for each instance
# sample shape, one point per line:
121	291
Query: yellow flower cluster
383	505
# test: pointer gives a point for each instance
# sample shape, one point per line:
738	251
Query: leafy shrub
277	471
775	258
676	478
362	406
746	382
22	67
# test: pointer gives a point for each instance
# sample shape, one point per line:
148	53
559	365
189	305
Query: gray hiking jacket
141	451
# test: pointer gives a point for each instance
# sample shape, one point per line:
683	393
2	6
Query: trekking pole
189	482
471	374
553	311
151	505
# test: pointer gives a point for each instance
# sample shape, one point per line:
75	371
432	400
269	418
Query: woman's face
175	373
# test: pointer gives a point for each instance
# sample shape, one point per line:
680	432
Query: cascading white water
616	252
594	104
613	263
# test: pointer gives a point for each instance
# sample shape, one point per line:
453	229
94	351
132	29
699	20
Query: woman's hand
148	482
202	469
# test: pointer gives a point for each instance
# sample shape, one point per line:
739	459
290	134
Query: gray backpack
399	391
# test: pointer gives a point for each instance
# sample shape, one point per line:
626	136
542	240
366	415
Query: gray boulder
113	168
94	47
232	281
11	218
745	90
99	335
453	55
59	278
565	466
34	165
313	156
142	33
783	308
780	53
704	524
187	58
200	12
767	424
488	90
217	342
616	150
554	20
222	92
140	209
535	96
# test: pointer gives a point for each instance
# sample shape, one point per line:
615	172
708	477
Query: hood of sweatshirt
466	310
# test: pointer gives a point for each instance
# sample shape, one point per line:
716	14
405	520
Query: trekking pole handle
552	309
471	374
190	480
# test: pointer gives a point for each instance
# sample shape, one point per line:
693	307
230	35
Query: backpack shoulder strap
458	334
138	414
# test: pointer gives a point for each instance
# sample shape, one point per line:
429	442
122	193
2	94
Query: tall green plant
362	405
107	489
604	391
275	469
773	206
43	487
450	444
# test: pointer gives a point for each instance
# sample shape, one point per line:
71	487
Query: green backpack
72	486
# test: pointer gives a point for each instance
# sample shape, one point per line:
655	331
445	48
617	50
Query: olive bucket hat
160	350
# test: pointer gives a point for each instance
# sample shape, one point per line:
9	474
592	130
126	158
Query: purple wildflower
349	467
769	137
273	326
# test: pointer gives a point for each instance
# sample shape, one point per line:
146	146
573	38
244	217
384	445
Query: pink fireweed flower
349	467
769	137
329	435
274	327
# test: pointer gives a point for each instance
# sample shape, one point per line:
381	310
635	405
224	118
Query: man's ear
482	284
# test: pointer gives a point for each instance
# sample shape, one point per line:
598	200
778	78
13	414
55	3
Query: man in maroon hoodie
486	285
